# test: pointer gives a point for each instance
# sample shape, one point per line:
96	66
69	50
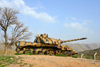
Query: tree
19	32
7	19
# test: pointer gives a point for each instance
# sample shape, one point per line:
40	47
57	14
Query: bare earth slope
54	61
78	47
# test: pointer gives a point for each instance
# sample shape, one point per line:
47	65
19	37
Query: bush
88	57
18	53
61	55
28	53
74	56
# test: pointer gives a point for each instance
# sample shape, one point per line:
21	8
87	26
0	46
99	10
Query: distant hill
90	53
82	47
76	46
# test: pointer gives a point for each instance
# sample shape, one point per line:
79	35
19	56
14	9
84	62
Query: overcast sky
61	19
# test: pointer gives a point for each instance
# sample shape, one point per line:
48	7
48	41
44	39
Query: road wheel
50	52
19	50
58	52
69	53
26	51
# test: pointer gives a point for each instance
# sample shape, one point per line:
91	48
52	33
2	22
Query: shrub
74	56
28	53
18	53
61	55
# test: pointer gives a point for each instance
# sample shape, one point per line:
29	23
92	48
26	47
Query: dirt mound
53	61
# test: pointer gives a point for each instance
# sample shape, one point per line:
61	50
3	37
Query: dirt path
54	61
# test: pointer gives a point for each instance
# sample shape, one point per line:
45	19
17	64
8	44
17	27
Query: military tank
45	45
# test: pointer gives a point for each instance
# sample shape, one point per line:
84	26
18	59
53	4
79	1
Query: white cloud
86	22
73	24
73	18
26	10
76	26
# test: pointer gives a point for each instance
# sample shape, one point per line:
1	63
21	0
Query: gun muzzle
83	38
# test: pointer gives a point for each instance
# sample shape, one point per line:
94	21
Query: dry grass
10	52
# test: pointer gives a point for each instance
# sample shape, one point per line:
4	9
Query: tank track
43	50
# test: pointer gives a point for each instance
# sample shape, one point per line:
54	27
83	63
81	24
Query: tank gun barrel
74	40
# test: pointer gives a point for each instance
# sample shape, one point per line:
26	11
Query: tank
45	45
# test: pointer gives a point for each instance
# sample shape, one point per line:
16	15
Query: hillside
82	47
90	53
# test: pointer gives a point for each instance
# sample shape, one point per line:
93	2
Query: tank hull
47	49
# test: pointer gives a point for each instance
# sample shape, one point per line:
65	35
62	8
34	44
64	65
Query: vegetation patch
62	55
75	56
18	54
28	53
7	60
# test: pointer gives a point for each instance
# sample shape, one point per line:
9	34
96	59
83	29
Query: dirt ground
54	61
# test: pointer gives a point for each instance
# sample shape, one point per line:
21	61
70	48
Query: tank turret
43	38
